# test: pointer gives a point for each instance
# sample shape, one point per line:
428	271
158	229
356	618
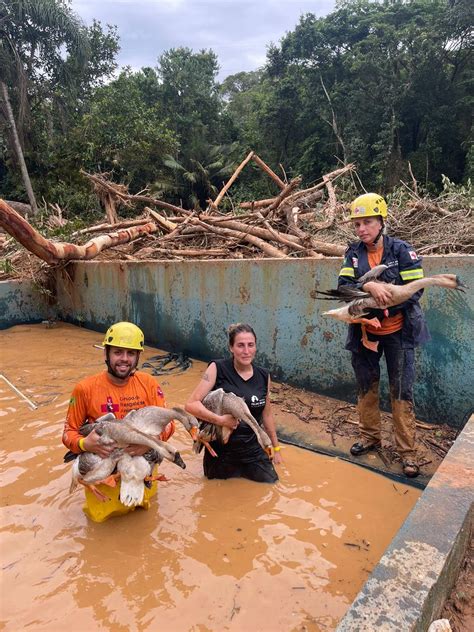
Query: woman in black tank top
242	456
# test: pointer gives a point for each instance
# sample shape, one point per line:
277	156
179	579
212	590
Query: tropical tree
36	39
124	131
378	83
198	179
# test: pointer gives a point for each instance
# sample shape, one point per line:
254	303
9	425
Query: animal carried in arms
360	303
90	469
222	403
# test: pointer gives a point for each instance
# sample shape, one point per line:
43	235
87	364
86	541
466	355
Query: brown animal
222	403
360	302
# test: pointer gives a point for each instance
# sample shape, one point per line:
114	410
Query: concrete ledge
22	303
408	588
186	305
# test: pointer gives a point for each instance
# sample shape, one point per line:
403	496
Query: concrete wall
21	302
187	305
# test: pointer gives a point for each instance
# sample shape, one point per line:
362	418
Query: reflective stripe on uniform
347	272
411	275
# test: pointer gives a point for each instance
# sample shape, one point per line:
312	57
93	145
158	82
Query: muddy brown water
207	556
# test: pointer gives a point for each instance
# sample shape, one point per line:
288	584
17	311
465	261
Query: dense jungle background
386	85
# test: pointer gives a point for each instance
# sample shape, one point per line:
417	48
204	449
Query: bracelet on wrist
81	444
276	448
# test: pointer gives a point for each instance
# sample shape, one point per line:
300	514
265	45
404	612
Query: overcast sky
237	31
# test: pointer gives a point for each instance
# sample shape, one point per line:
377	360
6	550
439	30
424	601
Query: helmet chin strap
112	372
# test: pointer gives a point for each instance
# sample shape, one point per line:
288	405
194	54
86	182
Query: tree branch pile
297	222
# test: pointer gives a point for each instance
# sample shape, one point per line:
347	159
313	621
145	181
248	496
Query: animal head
340	313
189	421
171	454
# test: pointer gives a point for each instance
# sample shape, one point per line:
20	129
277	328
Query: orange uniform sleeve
75	417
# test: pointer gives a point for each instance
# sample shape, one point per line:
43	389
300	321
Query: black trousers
242	457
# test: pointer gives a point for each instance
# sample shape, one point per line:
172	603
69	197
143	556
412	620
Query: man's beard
117	375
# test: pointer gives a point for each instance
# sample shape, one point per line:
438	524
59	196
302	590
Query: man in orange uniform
118	390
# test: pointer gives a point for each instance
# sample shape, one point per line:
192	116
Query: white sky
238	32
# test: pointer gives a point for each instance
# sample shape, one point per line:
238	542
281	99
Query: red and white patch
413	255
355	262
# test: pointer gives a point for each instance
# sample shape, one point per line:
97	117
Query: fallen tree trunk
180	252
257	231
126	198
268	171
295	241
99	228
55	252
231	180
284	194
257	203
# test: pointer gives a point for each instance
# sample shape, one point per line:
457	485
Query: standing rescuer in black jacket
402	330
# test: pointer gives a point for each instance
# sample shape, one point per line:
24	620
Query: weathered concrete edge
408	587
22	303
299	440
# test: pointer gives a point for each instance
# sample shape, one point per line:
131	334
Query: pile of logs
280	227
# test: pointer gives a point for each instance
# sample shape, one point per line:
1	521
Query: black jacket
404	265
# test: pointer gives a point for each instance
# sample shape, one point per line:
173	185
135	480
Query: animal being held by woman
222	403
400	325
361	303
243	454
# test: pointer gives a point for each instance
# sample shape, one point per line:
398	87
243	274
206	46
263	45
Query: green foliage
51	64
197	179
379	83
465	190
6	266
123	133
396	77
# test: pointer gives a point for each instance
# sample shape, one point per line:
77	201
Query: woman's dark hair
239	328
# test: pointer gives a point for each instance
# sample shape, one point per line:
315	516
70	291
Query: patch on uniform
72	401
159	391
413	255
109	407
355	262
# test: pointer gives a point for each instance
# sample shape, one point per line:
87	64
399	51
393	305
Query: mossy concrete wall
187	305
22	302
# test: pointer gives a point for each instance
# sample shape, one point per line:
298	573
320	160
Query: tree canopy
385	84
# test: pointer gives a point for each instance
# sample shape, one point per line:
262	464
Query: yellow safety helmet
124	335
368	205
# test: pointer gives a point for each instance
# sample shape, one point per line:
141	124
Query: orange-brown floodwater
207	556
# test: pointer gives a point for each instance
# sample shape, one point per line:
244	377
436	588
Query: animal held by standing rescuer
382	278
120	389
